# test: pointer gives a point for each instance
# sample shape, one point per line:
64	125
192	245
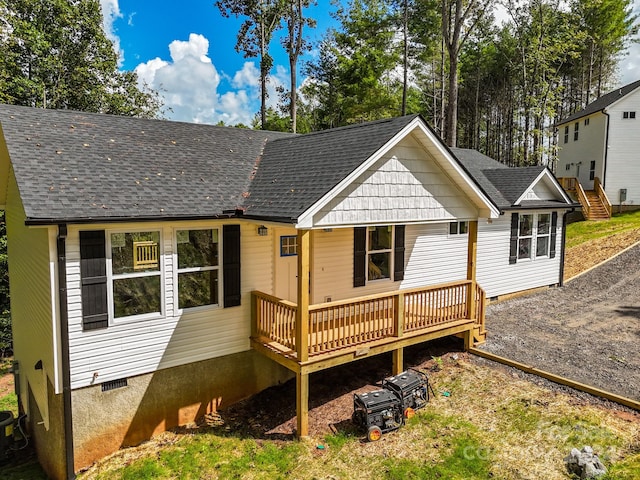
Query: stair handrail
602	195
584	201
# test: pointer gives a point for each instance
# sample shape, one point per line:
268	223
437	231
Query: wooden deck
344	331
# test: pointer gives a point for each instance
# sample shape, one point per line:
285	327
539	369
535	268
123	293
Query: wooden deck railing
568	183
597	186
337	325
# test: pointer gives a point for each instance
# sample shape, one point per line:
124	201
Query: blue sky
187	53
185	50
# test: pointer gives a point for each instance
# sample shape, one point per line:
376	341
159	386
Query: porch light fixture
262	231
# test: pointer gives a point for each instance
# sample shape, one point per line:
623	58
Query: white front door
286	254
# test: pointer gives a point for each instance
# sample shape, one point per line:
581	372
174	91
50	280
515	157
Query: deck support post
302	404
472	250
398	361
302	314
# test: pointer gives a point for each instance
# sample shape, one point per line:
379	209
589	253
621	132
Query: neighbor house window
628	115
458	228
288	245
135	273
198	267
592	170
567	167
566	134
379	250
586	122
576	126
534	235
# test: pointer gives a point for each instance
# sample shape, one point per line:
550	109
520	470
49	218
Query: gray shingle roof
84	166
602	102
503	184
296	172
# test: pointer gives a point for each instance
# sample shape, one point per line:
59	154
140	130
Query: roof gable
603	102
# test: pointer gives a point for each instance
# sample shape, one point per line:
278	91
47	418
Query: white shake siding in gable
33	294
494	273
623	156
132	347
405	185
432	256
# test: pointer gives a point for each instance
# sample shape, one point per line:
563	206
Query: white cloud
249	76
110	13
189	84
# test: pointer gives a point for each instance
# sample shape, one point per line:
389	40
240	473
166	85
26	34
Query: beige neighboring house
161	270
599	152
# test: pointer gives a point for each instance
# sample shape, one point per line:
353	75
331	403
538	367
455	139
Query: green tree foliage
55	54
262	19
355	77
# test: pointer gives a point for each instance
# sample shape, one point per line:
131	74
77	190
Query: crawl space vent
113	384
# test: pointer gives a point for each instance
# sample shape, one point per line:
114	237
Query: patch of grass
580	232
9	402
627	469
338	440
468	460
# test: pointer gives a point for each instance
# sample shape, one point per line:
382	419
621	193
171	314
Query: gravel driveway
588	330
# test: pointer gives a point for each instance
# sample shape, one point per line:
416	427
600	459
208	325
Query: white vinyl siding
494	273
432	256
141	346
33	295
590	147
622	157
403	186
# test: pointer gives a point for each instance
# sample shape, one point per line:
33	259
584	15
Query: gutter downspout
64	346
606	152
564	239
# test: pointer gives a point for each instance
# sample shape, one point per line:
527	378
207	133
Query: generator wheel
374	433
409	412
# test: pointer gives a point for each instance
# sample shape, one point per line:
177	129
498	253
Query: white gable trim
622	97
305	220
544	174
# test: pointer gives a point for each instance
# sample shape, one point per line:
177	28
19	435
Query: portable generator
377	412
412	389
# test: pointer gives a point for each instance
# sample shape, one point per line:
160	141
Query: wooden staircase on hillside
595	204
597	209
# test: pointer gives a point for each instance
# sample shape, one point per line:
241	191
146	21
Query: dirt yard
587	330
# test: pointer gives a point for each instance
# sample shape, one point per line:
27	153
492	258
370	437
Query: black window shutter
359	256
398	253
554	226
231	265
513	246
93	274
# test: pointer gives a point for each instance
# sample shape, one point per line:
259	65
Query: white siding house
140	251
602	141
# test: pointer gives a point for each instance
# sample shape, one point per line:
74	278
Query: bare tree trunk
405	57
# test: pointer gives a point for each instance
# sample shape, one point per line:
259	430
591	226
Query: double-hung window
198	267
379	252
458	228
136	277
534	235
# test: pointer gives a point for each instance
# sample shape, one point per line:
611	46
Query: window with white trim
576	127
458	228
566	134
135	273
379	252
198	252
534	235
628	115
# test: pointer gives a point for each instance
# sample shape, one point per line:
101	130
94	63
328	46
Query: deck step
598	211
